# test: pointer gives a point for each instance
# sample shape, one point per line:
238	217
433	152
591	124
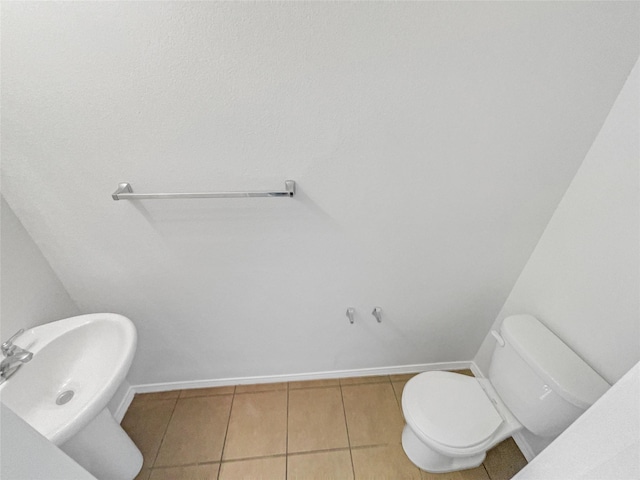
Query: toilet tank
544	383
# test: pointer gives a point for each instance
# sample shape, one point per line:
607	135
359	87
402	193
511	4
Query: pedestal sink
77	365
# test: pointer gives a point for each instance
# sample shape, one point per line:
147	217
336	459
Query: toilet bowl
452	420
536	382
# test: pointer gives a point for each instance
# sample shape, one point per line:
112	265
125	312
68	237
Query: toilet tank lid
558	365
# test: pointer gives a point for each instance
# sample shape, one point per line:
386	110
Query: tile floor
326	429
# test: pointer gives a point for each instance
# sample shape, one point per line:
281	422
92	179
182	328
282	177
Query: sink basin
79	362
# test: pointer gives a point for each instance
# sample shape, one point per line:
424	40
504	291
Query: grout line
231	460
275	455
164	434
226	432
398	400
346	424
294	454
246	459
377	445
180	465
325	450
487	471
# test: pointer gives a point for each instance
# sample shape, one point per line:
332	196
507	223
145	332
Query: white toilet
535	382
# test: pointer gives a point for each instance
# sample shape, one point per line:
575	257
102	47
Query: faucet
14	357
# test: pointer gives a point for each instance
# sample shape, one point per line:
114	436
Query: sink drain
64	397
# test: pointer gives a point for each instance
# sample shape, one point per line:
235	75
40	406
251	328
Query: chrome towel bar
125	192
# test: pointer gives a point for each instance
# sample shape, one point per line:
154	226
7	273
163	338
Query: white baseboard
476	370
123	404
362	372
524	446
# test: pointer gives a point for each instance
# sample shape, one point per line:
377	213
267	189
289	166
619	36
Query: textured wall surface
582	279
431	142
28	455
31	293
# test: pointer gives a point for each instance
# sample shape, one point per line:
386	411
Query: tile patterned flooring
325	429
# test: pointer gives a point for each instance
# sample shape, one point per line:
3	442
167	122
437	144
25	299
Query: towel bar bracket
122	188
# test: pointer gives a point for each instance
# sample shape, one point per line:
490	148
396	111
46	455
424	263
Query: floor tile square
207	392
146	422
478	473
143	474
196	431
382	463
402	377
192	472
504	460
330	382
316	420
364	380
258	425
261	387
186	429
139	397
268	468
334	465
398	388
373	414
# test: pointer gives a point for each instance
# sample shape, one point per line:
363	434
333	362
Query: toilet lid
450	408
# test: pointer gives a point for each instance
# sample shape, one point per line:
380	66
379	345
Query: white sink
78	364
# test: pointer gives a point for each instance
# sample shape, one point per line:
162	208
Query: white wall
27	455
31	293
431	141
582	279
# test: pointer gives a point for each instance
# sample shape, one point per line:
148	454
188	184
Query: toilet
536	382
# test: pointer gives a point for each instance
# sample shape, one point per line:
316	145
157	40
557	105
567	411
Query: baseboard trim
475	370
524	446
297	377
124	404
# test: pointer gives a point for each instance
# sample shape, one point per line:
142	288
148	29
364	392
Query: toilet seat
450	411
